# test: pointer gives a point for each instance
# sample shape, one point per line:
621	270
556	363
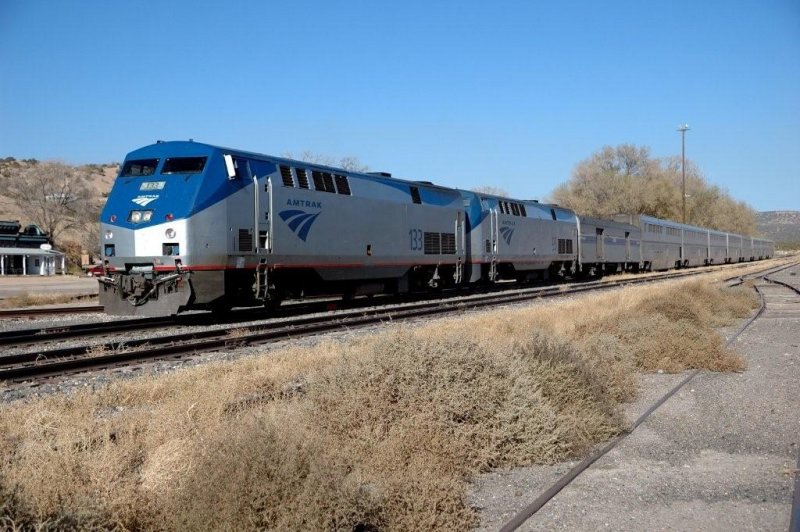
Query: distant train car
717	247
662	241
762	249
735	248
607	246
667	244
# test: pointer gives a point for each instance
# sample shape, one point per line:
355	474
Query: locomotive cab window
139	167
184	165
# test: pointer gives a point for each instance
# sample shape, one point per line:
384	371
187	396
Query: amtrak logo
507	233
144	201
299	221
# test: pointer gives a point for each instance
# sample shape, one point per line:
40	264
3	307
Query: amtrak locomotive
193	226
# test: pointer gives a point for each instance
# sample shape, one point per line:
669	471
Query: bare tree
353	164
53	196
627	179
491	190
348	162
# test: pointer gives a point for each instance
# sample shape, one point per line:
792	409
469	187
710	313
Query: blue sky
510	94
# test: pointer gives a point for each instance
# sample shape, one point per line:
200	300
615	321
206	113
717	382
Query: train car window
184	165
342	184
302	177
286	176
415	197
139	167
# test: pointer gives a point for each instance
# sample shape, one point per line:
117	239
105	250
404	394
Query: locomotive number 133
415	238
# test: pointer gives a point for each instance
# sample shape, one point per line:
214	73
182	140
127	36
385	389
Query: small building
28	251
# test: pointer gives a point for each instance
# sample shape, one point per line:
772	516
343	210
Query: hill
97	178
101	177
781	226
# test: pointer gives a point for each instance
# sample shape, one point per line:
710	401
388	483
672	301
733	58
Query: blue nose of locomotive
157	184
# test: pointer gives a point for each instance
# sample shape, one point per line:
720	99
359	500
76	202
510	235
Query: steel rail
43	311
42	364
53	333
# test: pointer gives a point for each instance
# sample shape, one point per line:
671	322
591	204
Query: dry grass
380	432
673	332
36	299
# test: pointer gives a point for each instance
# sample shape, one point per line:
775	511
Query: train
192	226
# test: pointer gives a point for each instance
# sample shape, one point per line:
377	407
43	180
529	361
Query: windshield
139	167
184	165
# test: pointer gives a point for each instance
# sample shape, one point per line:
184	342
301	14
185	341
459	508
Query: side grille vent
245	240
342	185
319	183
286	175
432	243
448	243
302	177
439	243
328	180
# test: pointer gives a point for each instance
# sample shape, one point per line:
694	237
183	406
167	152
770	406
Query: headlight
170	233
140	216
109	234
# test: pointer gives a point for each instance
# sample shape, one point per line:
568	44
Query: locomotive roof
377	176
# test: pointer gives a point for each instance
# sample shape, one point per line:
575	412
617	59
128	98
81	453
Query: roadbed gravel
721	454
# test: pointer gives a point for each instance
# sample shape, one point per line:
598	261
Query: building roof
30	251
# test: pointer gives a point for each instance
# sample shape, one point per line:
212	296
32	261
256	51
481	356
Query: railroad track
61	332
40	364
33	312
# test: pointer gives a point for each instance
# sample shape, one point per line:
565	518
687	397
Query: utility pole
683	129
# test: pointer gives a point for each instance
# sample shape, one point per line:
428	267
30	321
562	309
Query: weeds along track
765	277
44	364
